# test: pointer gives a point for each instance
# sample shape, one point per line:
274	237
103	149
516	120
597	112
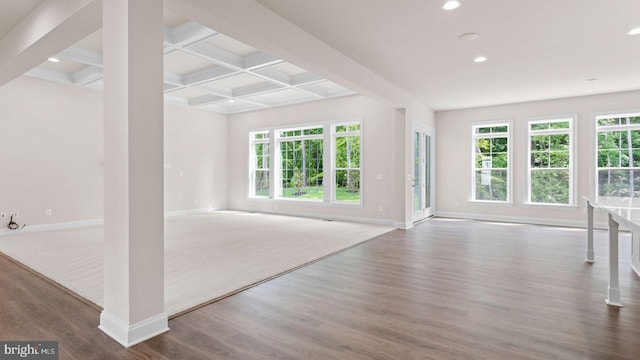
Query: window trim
279	139
252	165
593	163
471	142
328	161
573	156
334	136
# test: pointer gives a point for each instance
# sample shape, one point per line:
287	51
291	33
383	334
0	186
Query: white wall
454	164
380	147
195	157
51	149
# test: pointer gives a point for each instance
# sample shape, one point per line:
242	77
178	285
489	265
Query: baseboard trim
54	226
403	225
189	212
354	219
129	335
521	220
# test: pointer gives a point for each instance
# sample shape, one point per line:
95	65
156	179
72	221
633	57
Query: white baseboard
188	212
55	226
363	220
129	335
522	220
403	225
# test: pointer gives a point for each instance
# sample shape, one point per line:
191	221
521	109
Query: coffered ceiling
203	69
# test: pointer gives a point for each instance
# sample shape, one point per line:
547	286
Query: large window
303	158
260	164
301	166
347	162
491	169
550	172
618	155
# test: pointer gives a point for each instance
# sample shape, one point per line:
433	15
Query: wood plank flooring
446	289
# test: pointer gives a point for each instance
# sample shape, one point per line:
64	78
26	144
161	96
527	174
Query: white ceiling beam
256	103
216	90
215	54
173	79
305	78
255	89
314	90
258	60
205	100
245	106
169	87
189	33
176	100
208	74
252	23
343	92
51	75
87	75
168	38
50	28
274	75
80	55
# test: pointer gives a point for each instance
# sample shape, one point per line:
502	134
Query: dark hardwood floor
446	289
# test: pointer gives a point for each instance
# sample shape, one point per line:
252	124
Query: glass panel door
423	172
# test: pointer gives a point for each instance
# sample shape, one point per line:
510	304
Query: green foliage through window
550	161
491	162
618	155
261	163
347	162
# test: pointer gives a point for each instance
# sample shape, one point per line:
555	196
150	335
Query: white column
133	171
590	254
613	293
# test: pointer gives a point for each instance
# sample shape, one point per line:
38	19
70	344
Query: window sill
305	202
552	206
488	202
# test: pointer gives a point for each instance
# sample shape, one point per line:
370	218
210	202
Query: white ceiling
536	50
12	11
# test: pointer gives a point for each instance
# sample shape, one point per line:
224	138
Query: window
347	162
618	155
260	164
302	156
490	170
550	172
301	163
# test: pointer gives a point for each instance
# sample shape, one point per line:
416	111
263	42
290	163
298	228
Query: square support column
133	171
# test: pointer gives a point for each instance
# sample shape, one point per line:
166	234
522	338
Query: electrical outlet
15	214
48	212
3	215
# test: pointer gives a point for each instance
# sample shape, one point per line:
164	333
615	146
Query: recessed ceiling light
468	36
480	59
53	59
635	31
451	4
232	100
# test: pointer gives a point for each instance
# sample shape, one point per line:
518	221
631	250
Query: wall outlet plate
15	214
